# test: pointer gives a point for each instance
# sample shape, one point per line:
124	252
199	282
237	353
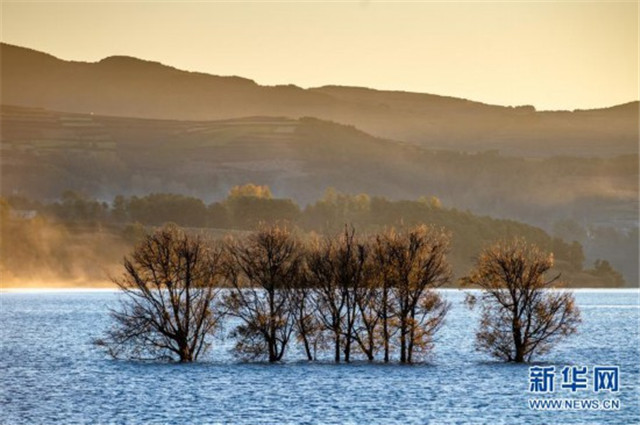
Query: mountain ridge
127	59
127	86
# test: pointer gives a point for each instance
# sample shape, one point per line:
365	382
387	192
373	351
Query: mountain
126	86
127	126
45	152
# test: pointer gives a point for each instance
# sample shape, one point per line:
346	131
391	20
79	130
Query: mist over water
50	372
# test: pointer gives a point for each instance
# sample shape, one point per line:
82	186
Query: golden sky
554	55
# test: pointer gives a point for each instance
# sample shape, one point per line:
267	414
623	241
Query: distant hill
125	86
45	152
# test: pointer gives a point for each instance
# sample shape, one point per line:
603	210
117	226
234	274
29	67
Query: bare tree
170	291
264	269
338	271
309	330
521	315
329	298
350	258
368	299
384	275
413	264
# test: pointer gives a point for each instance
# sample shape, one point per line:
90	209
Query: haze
569	55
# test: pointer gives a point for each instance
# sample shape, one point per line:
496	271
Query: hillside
44	153
125	86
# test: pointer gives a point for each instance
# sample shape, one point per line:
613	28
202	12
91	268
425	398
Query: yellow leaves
511	264
431	201
250	189
519	308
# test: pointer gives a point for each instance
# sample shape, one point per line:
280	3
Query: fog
37	253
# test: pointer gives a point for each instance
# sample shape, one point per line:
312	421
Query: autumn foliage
522	312
348	295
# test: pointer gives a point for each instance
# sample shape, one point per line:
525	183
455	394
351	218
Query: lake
51	373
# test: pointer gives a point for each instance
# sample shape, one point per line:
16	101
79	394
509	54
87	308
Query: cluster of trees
371	297
249	205
244	208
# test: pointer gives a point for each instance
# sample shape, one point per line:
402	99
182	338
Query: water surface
51	373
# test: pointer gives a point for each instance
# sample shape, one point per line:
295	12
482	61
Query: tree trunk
411	337
403	341
272	352
410	347
517	340
519	353
307	347
347	350
185	354
371	346
385	326
273	355
347	342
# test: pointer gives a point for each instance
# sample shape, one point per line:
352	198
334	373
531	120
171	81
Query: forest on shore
80	241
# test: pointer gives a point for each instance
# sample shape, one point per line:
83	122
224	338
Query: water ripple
50	373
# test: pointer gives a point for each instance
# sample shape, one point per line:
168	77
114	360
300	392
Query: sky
550	54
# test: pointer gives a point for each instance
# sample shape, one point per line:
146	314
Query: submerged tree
263	270
308	327
412	264
349	261
337	271
367	296
521	314
170	291
329	300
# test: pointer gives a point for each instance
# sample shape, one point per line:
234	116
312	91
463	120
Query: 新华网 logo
597	379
